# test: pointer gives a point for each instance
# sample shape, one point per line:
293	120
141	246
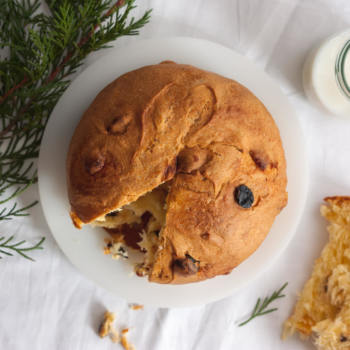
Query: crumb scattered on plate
116	249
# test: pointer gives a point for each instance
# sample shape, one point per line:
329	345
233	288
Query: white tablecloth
49	305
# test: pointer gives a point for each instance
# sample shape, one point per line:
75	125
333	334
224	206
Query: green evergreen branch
6	214
43	51
260	307
8	248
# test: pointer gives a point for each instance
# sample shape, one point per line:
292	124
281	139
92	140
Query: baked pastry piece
190	159
323	308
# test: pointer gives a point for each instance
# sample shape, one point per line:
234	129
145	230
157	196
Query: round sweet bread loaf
197	152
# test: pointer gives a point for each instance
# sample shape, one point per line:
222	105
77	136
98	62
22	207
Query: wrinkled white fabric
48	304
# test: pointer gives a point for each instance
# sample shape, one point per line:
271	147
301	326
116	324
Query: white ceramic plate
84	247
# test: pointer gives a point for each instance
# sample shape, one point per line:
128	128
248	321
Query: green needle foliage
260	308
38	55
7	247
7	214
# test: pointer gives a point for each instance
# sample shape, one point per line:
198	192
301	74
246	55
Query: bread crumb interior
153	205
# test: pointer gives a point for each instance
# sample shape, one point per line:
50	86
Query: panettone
323	308
188	160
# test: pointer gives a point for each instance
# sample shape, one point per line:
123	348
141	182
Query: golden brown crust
207	134
343	201
323	308
76	220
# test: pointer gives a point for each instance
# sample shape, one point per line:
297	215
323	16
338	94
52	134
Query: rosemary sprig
38	55
260	308
7	247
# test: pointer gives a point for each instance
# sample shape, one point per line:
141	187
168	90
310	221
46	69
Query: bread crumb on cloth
124	340
136	307
107	328
107	324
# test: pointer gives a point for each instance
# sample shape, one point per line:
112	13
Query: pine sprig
38	55
7	214
260	307
7	247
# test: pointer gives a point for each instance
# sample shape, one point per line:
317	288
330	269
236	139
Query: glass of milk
326	75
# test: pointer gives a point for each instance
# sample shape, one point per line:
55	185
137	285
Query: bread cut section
209	139
323	308
145	218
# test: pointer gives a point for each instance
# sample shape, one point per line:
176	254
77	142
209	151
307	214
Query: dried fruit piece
191	159
170	170
113	213
259	159
343	338
94	165
187	265
119	125
205	236
244	196
116	249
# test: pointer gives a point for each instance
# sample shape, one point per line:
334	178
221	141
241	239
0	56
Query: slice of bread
323	308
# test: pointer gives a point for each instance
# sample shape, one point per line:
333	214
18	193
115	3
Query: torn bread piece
323	308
